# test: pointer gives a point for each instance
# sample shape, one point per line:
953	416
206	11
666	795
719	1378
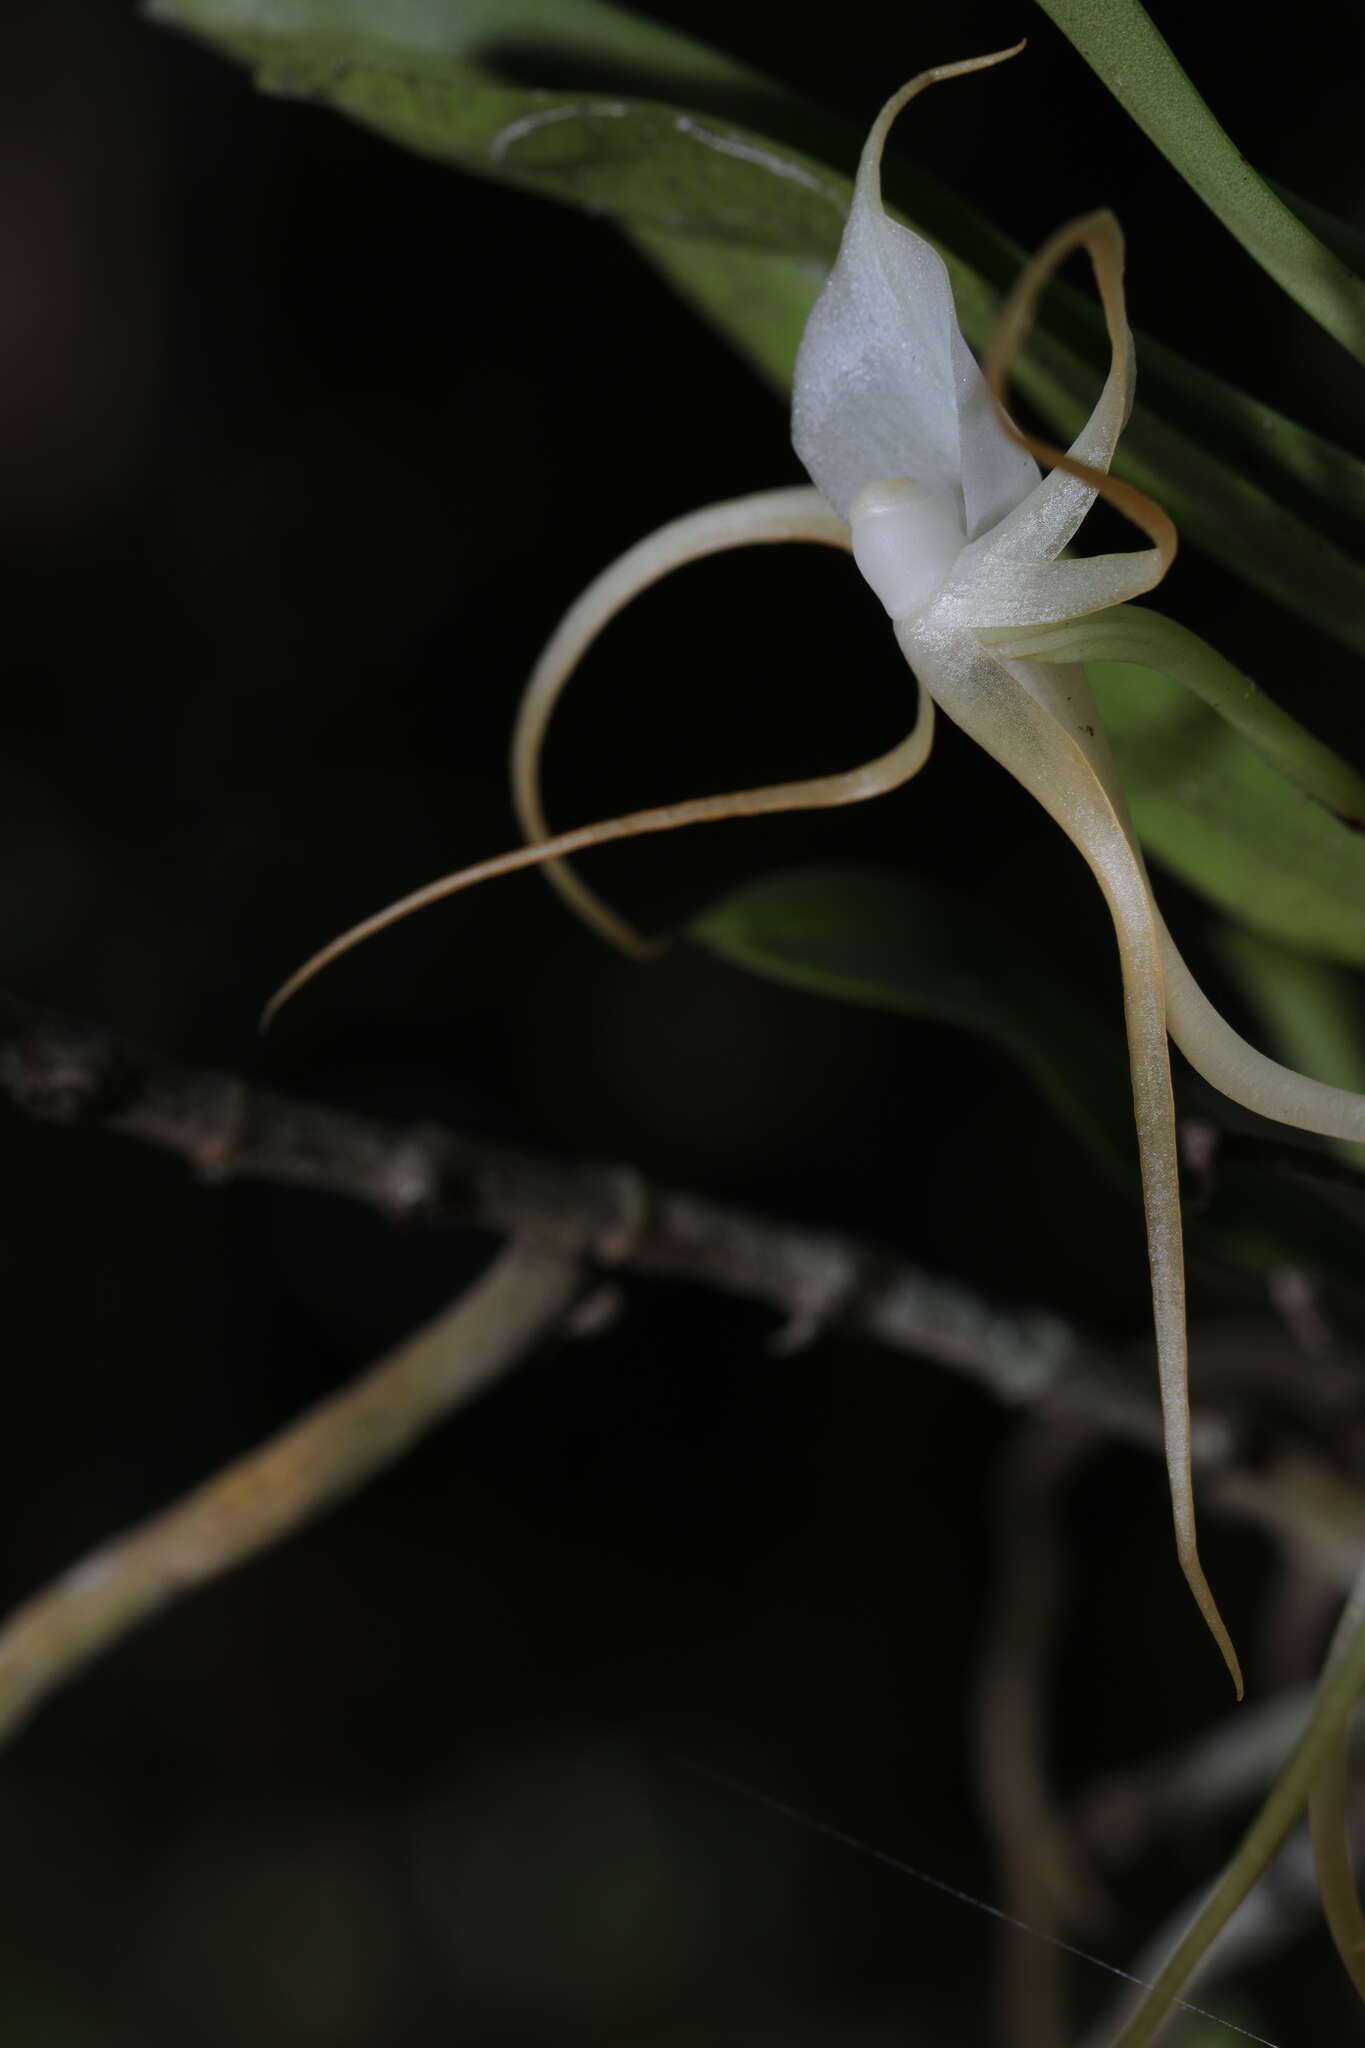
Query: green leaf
1342	237
1130	633
915	948
895	944
1123	46
1217	814
737	189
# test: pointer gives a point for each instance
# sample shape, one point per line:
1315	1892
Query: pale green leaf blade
1124	47
1342	237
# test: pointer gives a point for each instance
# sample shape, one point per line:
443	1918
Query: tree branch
608	1215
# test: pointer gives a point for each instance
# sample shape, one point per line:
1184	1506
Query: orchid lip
906	540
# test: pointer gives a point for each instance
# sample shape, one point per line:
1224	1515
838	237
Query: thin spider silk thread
873	1854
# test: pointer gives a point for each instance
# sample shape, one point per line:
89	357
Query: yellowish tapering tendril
869	168
1100	235
764	519
772	516
1088	803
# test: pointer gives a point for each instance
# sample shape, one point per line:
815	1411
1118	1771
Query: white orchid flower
917	470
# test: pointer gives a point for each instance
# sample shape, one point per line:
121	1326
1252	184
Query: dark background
304	446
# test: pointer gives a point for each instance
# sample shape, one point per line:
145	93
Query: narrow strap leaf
1123	46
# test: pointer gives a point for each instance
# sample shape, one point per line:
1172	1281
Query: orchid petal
885	385
763	518
991	595
817	792
1016	727
798	514
1217	1052
1043	524
874	393
1244	1075
997	474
